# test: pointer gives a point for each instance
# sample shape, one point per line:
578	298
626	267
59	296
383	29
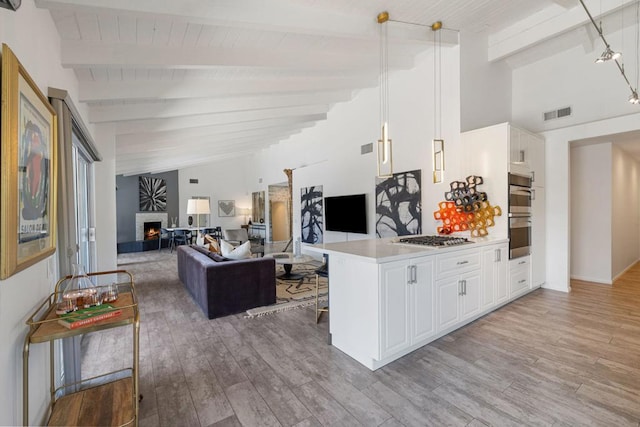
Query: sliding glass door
83	171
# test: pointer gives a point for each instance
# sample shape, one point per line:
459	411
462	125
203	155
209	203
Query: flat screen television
346	213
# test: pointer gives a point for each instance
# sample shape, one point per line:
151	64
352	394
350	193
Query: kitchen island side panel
353	305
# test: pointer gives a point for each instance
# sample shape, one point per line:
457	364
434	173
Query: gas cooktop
435	241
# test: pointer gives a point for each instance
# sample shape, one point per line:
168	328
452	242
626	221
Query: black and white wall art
153	194
398	204
311	214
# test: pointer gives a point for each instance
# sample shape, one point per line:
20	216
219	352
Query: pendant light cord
437	85
384	75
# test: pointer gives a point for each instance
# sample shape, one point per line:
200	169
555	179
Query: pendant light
385	154
438	141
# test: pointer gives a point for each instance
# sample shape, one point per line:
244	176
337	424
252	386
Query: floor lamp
197	207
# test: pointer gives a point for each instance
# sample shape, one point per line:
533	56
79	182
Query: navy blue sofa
221	286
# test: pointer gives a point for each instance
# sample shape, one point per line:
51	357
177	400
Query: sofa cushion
213	244
242	251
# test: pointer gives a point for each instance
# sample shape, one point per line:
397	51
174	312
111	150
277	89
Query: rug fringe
277	308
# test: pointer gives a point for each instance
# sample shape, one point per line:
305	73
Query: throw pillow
240	252
213	244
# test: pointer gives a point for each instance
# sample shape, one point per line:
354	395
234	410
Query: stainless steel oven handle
521	191
519	223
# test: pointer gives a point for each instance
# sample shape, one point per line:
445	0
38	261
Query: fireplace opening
152	230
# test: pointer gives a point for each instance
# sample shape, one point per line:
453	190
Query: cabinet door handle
460	288
463	262
414	269
522	262
533	176
498	255
409	274
533	194
464	287
522	281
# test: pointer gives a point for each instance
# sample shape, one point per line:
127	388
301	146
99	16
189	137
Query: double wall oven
520	196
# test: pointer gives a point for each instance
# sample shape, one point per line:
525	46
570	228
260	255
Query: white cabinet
518	149
536	156
470	296
494	276
385	306
458	287
538	242
406	304
519	276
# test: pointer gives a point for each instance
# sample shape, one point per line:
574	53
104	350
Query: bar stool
322	271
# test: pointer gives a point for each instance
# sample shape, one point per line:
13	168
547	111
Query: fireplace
152	230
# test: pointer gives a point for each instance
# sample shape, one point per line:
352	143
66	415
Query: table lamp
197	207
244	212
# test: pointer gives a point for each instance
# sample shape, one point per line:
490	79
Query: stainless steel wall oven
520	196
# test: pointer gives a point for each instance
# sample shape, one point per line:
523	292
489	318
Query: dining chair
181	237
166	235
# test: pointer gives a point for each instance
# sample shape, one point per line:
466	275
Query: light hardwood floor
548	358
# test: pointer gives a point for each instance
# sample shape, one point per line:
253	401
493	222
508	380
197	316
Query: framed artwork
153	194
226	208
28	159
311	218
398	204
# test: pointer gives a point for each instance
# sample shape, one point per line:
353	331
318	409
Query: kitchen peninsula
387	299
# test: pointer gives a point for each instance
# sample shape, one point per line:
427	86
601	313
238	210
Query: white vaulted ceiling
185	82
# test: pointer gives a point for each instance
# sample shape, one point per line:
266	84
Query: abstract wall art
226	208
398	204
466	209
311	214
28	162
153	194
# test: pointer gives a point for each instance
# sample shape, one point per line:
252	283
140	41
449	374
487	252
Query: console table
288	260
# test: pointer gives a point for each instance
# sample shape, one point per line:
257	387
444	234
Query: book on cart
88	316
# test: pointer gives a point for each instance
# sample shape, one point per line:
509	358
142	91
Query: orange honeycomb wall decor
466	209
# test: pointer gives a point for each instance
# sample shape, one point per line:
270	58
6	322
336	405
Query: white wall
329	153
625	227
220	181
105	199
571	78
32	36
591	209
557	178
485	87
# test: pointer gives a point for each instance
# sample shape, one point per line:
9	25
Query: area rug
291	294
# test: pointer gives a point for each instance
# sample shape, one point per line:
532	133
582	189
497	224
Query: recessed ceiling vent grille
366	148
557	114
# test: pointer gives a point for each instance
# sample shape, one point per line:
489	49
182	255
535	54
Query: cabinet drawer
519	263
457	262
519	280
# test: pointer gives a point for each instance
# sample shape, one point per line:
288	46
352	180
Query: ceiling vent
557	114
366	148
10	4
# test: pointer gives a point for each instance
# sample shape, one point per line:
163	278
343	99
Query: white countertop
384	250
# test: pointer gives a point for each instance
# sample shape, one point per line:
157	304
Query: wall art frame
311	214
226	208
152	193
28	159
